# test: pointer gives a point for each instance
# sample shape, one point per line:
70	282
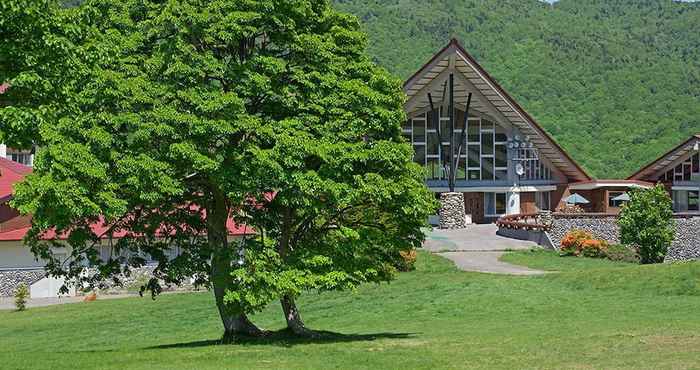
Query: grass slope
588	316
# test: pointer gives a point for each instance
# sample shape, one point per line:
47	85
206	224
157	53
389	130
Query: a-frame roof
488	97
667	159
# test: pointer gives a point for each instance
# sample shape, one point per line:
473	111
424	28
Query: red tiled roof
101	229
11	173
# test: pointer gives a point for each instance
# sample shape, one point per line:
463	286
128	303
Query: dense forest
616	82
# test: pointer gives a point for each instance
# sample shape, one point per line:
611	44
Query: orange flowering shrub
572	243
594	248
408	260
582	243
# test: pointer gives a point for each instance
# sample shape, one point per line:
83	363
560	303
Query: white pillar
513	201
3	150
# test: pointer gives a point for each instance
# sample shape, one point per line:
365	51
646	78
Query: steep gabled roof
488	98
666	159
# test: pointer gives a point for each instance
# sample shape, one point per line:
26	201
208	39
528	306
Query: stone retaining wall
11	279
602	226
685	246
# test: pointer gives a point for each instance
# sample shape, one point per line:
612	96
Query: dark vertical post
452	174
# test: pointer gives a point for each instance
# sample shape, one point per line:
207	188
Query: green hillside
617	83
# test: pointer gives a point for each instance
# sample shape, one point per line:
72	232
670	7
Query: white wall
16	255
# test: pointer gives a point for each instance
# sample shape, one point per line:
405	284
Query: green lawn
591	315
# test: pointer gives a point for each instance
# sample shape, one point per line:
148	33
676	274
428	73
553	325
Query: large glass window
611	199
495	204
693	201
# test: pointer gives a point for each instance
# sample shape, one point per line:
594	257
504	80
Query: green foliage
174	116
646	222
622	253
21	296
598	75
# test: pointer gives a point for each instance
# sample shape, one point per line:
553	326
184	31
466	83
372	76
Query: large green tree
180	115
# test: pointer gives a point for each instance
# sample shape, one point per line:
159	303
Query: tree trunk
234	319
293	317
236	322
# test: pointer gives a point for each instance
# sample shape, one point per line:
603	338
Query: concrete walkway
8	303
477	248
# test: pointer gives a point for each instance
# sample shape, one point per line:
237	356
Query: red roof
11	173
4	87
101	229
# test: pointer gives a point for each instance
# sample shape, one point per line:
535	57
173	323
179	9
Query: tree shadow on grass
284	338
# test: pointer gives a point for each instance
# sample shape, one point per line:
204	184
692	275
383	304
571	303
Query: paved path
478	248
8	303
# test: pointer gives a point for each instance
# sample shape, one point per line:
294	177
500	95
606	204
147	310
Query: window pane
501	134
693	201
490	203
500	203
501	175
473	131
432	169
487	168
456	137
419	156
445	129
419	131
487	143
433	143
474	156
432	119
696	163
459	120
501	156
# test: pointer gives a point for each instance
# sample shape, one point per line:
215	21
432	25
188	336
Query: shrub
593	248
572	243
646	221
622	253
408	260
21	296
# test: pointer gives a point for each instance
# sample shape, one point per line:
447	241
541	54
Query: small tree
21	295
646	222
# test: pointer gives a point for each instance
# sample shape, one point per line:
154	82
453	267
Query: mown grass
588	316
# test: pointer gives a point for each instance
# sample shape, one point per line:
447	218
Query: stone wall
685	246
452	214
602	226
10	279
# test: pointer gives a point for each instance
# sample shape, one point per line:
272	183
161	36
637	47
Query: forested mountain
616	82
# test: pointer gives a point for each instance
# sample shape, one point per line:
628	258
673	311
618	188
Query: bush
594	248
408	260
21	296
622	253
646	222
572	243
